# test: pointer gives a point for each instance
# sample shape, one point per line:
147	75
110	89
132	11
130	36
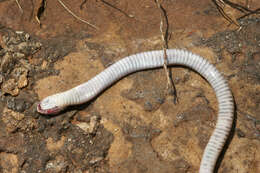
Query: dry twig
81	5
19	6
40	11
243	9
220	5
118	9
256	11
74	15
164	35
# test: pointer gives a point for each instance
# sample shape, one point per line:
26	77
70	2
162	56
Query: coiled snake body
148	60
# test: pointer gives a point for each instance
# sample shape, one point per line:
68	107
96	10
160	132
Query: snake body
148	60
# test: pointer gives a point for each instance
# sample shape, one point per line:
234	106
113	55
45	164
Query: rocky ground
133	126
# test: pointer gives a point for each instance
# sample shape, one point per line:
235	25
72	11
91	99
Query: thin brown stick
164	36
118	9
257	11
19	6
220	5
74	15
243	9
238	7
40	11
81	5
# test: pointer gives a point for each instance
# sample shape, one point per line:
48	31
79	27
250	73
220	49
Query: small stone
38	45
89	127
11	119
7	62
59	164
10	87
95	160
13	39
20	74
2	51
9	162
27	36
19	32
22	82
18	55
5	39
12	48
18	116
44	65
10	103
18	105
148	106
22	46
240	133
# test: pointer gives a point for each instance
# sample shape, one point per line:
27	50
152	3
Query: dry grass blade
74	15
164	35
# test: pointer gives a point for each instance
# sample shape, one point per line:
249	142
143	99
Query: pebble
6	62
10	87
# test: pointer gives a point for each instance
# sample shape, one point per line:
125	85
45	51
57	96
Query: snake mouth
50	111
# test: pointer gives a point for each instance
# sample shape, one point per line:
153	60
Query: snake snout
50	111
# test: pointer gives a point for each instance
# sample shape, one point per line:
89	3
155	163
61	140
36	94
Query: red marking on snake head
50	111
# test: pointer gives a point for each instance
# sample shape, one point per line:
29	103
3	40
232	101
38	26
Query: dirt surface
133	126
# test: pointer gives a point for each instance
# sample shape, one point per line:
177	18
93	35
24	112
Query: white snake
148	60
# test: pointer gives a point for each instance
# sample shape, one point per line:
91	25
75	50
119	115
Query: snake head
49	106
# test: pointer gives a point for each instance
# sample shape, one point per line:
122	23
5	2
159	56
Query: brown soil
132	126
